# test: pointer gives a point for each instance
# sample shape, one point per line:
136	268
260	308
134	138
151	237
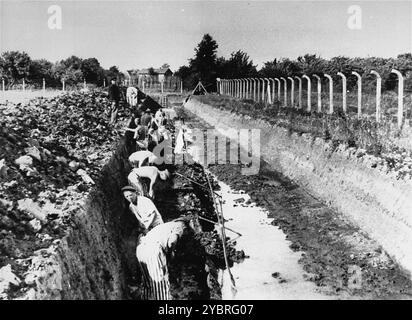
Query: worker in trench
150	172
114	97
155	245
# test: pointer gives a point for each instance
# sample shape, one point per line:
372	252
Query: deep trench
98	259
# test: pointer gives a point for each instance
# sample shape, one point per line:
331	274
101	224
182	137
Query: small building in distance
156	75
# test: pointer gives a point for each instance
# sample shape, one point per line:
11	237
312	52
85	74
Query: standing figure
114	97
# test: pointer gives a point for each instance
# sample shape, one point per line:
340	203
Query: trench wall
371	199
95	259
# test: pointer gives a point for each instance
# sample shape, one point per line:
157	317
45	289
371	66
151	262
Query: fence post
143	85
2	84
104	83
359	83
400	96
292	92
262	92
161	86
330	93
268	94
44	86
254	88
309	107
300	91
378	95
257	87
273	89
319	89
278	82
24	85
84	84
343	90
285	88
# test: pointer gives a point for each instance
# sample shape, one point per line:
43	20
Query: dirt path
336	256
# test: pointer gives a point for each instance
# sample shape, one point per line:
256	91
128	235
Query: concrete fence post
64	85
84	84
262	97
309	107
234	88
258	90
330	93
44	86
300	91
181	87
285	89
378	95
292	92
343	91
400	96
278	82
359	84
319	90
273	89
243	88
2	84
268	94
247	88
253	90
24	85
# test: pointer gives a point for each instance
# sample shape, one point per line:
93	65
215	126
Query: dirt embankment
347	178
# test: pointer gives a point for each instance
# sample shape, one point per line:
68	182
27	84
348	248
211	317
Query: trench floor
298	247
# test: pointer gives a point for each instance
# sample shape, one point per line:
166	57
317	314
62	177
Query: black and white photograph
208	151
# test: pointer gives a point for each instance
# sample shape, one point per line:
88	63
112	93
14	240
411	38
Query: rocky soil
52	151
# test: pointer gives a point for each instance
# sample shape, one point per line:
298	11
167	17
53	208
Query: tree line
206	66
16	66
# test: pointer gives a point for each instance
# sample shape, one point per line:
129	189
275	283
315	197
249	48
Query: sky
141	34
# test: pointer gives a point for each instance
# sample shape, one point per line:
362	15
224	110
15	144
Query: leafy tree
239	65
69	70
14	65
165	66
114	73
203	65
188	78
92	71
41	69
